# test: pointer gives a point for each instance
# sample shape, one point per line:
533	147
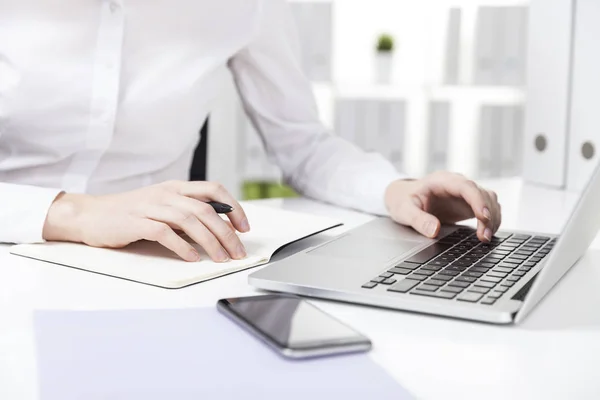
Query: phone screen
292	322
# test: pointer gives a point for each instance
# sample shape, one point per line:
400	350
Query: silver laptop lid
577	235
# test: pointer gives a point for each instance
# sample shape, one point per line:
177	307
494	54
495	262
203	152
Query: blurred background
430	84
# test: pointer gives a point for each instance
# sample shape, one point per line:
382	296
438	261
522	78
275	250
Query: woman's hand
152	213
443	197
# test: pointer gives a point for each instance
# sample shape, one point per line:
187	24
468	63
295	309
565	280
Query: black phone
292	326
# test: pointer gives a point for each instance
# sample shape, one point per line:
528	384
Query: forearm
338	172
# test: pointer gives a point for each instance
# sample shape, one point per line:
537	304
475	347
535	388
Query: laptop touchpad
376	250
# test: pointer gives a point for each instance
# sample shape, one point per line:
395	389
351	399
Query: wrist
63	218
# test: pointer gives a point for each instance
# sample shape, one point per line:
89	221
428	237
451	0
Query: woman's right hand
152	213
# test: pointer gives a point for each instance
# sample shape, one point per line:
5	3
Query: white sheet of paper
186	354
151	263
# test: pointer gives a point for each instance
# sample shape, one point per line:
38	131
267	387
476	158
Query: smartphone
292	326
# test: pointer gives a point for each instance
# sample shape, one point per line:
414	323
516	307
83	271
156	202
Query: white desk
555	354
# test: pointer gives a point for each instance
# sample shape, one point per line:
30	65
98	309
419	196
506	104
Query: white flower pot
383	67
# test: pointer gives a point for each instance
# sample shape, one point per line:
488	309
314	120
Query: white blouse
104	96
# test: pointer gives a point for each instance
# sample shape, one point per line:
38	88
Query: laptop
455	275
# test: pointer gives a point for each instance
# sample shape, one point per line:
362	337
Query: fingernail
486	213
430	228
487	234
245	225
222	255
194	256
241	251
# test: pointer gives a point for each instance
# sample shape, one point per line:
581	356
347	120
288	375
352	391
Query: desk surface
554	354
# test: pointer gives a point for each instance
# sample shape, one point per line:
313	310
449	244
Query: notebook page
151	263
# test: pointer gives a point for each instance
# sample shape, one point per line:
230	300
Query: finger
494	221
163	234
206	191
413	215
500	216
495	210
217	226
189	223
484	233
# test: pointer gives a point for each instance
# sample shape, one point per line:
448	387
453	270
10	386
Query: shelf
483	94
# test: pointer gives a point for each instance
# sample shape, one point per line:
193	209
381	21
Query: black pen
220	208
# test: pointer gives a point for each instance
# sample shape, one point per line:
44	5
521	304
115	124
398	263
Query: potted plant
384	59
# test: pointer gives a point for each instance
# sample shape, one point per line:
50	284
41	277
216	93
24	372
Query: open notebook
150	263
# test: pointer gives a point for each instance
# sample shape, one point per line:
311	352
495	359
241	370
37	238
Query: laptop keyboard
461	267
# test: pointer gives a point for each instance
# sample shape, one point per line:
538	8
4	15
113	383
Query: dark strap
198	169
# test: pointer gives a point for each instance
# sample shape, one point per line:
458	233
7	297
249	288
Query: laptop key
471	297
462	263
507	283
369	285
533	245
473	274
429	267
389	281
491	279
442	277
438	263
428	288
486	264
519	273
449	273
428	253
452	289
425	272
495	295
479	269
485	284
418	277
439	295
503	269
407	265
507	266
525	253
479	289
488	301
511	260
404	285
460	284
521	236
436	282
400	271
378	280
501	289
463	278
502	235
386	275
497	274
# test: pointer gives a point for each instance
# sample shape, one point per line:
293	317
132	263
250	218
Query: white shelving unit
415	139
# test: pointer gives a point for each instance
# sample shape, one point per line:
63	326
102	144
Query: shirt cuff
376	188
23	212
